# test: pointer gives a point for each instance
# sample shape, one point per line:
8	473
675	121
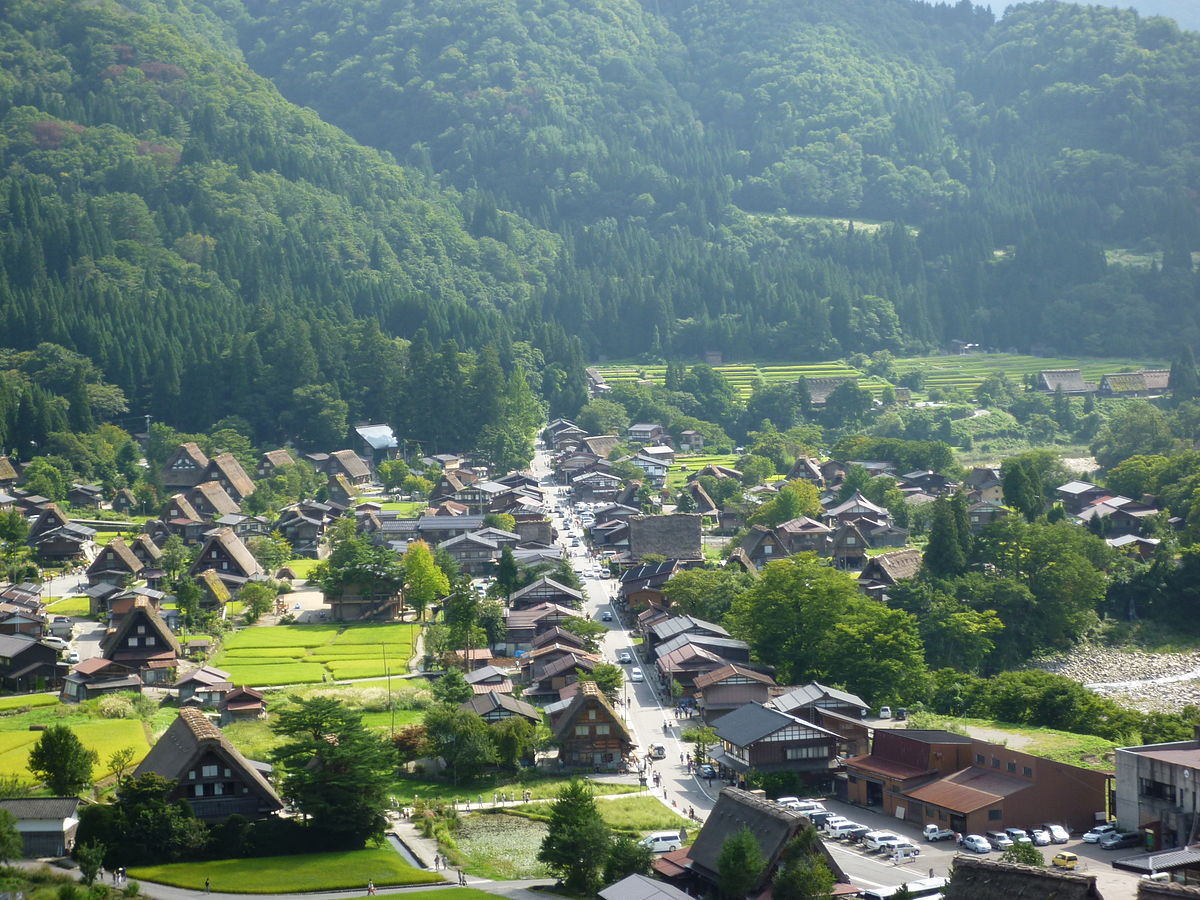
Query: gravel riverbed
1145	681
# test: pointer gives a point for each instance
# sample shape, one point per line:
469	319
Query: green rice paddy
308	654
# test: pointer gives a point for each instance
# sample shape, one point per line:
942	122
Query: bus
923	888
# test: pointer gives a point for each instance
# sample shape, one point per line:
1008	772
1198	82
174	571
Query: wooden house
646	433
185	467
979	878
493	706
228	472
545	590
46	825
28	665
142	643
676	536
206	686
125	501
272	461
351	465
8	472
209	772
116	564
728	688
85	496
225	553
756	737
590	734
887	570
242	704
96	677
211	501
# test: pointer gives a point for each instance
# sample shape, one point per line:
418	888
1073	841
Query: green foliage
741	864
90	858
424	581
11	844
705	593
577	846
62	762
795	499
462	739
1025	854
626	856
608	677
452	688
335	771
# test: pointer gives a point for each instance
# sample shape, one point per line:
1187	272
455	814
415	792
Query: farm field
289	874
308	654
105	736
627	814
965	372
75	607
406	788
683	466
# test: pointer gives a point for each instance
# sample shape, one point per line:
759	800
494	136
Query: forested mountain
679	147
216	250
1185	12
616	177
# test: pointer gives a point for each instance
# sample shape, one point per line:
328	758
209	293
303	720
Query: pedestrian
462	878
207	886
370	886
681	759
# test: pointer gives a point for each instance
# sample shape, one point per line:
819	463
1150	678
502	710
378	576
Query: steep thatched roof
986	879
676	536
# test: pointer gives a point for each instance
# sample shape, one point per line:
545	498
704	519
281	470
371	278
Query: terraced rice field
307	654
683	466
105	737
965	372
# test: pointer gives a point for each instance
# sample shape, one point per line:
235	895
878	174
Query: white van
831	823
840	829
873	840
662	841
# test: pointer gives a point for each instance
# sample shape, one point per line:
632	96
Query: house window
980	759
133	642
192	775
581	731
1012	767
1027	772
995	763
141	629
208	771
218	788
995	815
850	540
811	751
591	715
228	773
601	729
149	642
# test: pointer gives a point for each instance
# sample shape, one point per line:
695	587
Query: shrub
116	706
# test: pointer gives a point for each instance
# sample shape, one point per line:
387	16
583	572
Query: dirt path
998	736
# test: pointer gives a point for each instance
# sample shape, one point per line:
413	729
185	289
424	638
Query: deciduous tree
576	848
62	762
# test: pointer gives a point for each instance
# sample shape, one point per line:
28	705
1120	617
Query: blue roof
380	437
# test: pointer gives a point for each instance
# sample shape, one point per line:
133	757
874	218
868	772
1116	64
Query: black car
853	835
606	616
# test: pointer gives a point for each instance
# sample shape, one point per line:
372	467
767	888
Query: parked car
1018	835
56	642
1065	860
72	657
661	841
1058	834
1098	831
624	657
885	712
1117	840
606	616
844	829
1040	837
819	816
635	675
707	771
832	822
873	840
900	845
854	834
976	843
999	840
934	833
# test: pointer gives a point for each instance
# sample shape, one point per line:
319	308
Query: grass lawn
308	654
405	788
291	874
407	508
301	566
27	701
631	814
1084	750
677	476
76	607
500	847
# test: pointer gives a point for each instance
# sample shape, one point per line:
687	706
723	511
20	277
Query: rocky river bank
1145	681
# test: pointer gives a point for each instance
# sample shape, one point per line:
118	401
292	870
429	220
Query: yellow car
1065	860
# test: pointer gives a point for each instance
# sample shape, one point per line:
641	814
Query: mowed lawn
342	870
76	607
309	654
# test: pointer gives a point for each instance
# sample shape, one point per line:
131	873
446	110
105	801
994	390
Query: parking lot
937	858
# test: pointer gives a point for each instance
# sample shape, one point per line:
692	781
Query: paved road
646	716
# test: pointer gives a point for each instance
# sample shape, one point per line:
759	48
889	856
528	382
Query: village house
351	465
676	536
209	772
242	704
489	678
756	738
226	471
211	501
985	513
378	443
887	570
544	590
980	878
763	545
729	688
590	734
8	472
28	665
820	388
475	555
493	706
205	686
969	785
591	487
185	467
1156	792
116	564
1146	383
695	869
142	644
1069	381
83	496
225	554
729	649
272	461
47	825
646	433
1077	495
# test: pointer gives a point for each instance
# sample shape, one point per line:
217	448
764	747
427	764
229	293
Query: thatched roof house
986	879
